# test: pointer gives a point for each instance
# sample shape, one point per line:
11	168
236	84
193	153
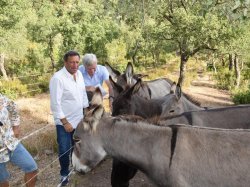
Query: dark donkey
129	102
176	155
154	88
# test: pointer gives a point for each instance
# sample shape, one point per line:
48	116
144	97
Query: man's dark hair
70	53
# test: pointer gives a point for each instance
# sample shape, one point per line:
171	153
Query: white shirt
67	97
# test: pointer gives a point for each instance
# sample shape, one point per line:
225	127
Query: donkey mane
191	99
151	122
129	118
167	79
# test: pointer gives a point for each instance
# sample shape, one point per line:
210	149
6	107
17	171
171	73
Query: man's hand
90	88
16	131
68	127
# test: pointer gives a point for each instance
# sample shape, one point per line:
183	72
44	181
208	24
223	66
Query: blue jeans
65	142
21	158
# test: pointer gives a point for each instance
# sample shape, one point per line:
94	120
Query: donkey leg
121	174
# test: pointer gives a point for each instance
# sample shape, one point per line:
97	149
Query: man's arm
56	92
90	88
111	94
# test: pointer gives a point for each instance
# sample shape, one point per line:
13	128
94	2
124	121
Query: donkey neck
146	108
190	105
135	143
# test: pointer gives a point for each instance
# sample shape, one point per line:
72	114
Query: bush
44	82
12	88
225	79
242	96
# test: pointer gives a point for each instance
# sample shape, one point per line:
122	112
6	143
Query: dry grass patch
35	114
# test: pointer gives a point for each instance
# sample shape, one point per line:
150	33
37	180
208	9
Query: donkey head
88	151
112	72
128	78
172	104
124	102
117	89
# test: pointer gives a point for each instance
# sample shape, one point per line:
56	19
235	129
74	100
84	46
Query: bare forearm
90	88
67	125
16	131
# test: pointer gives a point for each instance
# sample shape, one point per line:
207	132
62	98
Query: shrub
44	82
225	79
13	88
242	96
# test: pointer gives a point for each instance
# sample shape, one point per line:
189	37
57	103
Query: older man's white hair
89	59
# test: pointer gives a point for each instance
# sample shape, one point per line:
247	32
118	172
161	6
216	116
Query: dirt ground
35	113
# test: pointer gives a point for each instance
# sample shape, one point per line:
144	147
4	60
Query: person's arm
110	89
90	88
14	117
56	92
111	94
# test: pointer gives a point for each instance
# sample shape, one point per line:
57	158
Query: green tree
14	16
45	30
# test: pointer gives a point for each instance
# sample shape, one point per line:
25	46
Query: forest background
187	36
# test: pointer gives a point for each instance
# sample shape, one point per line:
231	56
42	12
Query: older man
94	75
68	99
10	148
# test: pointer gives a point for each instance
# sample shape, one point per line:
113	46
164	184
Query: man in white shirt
68	97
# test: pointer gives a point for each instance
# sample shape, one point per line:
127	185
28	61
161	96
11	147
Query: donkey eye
76	139
171	111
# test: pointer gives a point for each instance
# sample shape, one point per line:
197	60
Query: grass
35	114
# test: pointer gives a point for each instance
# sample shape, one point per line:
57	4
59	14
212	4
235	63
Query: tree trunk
154	60
242	65
184	59
223	61
214	67
135	52
231	62
2	69
237	71
51	49
157	57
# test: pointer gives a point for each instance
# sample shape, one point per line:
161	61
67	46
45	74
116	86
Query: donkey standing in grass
170	156
154	88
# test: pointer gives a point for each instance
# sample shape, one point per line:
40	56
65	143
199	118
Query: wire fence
25	85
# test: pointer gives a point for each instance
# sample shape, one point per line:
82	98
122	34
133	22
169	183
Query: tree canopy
34	35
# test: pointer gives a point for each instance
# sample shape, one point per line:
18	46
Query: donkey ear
117	89
178	91
139	76
137	86
112	72
129	72
97	97
97	114
134	89
173	88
